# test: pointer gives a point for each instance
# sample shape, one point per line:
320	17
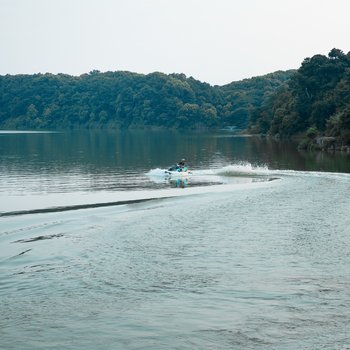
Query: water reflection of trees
97	151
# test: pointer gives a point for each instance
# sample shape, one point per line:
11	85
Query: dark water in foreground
226	259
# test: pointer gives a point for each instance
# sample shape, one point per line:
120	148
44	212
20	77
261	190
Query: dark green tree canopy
129	100
317	96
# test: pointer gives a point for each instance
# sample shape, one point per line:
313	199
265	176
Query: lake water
100	250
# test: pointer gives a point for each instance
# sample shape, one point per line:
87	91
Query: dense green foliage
129	100
245	96
316	101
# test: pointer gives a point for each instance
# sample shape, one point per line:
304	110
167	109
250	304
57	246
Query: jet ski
177	170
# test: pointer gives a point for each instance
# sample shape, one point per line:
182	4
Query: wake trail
77	207
202	181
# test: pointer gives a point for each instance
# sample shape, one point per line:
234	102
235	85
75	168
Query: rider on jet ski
180	166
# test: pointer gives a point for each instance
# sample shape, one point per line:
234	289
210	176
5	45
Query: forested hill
315	102
244	96
129	100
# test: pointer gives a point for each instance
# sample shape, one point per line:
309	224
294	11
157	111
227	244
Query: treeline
129	100
314	102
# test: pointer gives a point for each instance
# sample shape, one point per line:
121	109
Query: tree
317	96
32	112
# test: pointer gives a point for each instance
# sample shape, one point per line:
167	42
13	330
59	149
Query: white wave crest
157	172
243	169
239	169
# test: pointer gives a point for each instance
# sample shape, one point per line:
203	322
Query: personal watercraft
177	170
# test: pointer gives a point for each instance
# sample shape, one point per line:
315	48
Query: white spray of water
239	169
243	169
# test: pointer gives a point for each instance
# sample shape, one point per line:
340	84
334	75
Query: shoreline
320	143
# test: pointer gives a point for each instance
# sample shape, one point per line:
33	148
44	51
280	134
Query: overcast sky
217	41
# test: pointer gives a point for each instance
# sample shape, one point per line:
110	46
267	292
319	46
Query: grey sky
217	41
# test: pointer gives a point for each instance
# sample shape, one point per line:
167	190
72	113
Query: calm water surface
252	251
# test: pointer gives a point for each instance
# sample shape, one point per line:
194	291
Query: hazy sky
217	41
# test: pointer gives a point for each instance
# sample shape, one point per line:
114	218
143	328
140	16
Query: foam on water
243	169
157	172
238	169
